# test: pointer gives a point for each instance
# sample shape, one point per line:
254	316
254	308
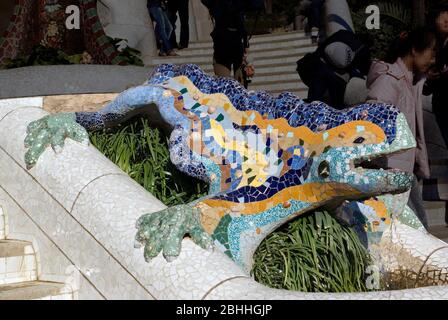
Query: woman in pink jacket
399	81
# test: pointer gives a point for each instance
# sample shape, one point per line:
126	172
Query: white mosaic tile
17	269
248	289
8	105
428	293
420	245
13	131
110	206
54	266
77	243
22	102
77	165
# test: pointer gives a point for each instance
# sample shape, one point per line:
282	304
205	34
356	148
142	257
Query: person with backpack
327	71
230	38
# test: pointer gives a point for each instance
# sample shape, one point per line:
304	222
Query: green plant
128	54
142	152
42	56
395	17
314	253
397	11
39	55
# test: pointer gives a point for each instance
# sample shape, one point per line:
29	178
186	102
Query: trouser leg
416	202
316	13
221	70
184	24
439	110
163	27
172	14
318	88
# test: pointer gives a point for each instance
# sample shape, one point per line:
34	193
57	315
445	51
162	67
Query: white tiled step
260	69
275	69
303	94
279	86
269	57
35	290
439	168
435	211
17	262
254	48
287	36
440	231
271	77
259	54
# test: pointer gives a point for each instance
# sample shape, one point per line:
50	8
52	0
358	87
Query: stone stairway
19	278
274	57
436	219
438	160
436	210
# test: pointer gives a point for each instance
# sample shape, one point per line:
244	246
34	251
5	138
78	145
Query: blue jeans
315	17
163	28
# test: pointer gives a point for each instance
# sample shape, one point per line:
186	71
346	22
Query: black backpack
356	55
307	66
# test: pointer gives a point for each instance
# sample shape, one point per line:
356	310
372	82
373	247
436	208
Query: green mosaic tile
219	118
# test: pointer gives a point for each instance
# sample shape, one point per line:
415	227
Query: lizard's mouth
373	163
377	160
369	171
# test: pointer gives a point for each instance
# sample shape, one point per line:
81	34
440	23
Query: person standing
315	18
437	83
163	30
179	7
340	58
399	81
230	40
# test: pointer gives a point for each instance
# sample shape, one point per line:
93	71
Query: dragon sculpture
267	160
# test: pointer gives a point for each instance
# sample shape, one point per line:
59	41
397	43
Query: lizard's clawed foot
164	231
52	130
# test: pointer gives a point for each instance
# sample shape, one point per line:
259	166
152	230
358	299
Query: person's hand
250	71
433	74
444	72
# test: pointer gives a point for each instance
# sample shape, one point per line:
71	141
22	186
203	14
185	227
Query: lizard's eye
359	140
324	169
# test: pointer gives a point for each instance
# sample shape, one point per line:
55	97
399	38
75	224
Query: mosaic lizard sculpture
268	160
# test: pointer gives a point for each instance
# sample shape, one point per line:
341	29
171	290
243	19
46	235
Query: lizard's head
346	161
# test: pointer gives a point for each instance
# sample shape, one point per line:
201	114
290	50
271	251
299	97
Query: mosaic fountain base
85	208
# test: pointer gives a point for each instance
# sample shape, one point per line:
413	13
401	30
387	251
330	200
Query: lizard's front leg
55	128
